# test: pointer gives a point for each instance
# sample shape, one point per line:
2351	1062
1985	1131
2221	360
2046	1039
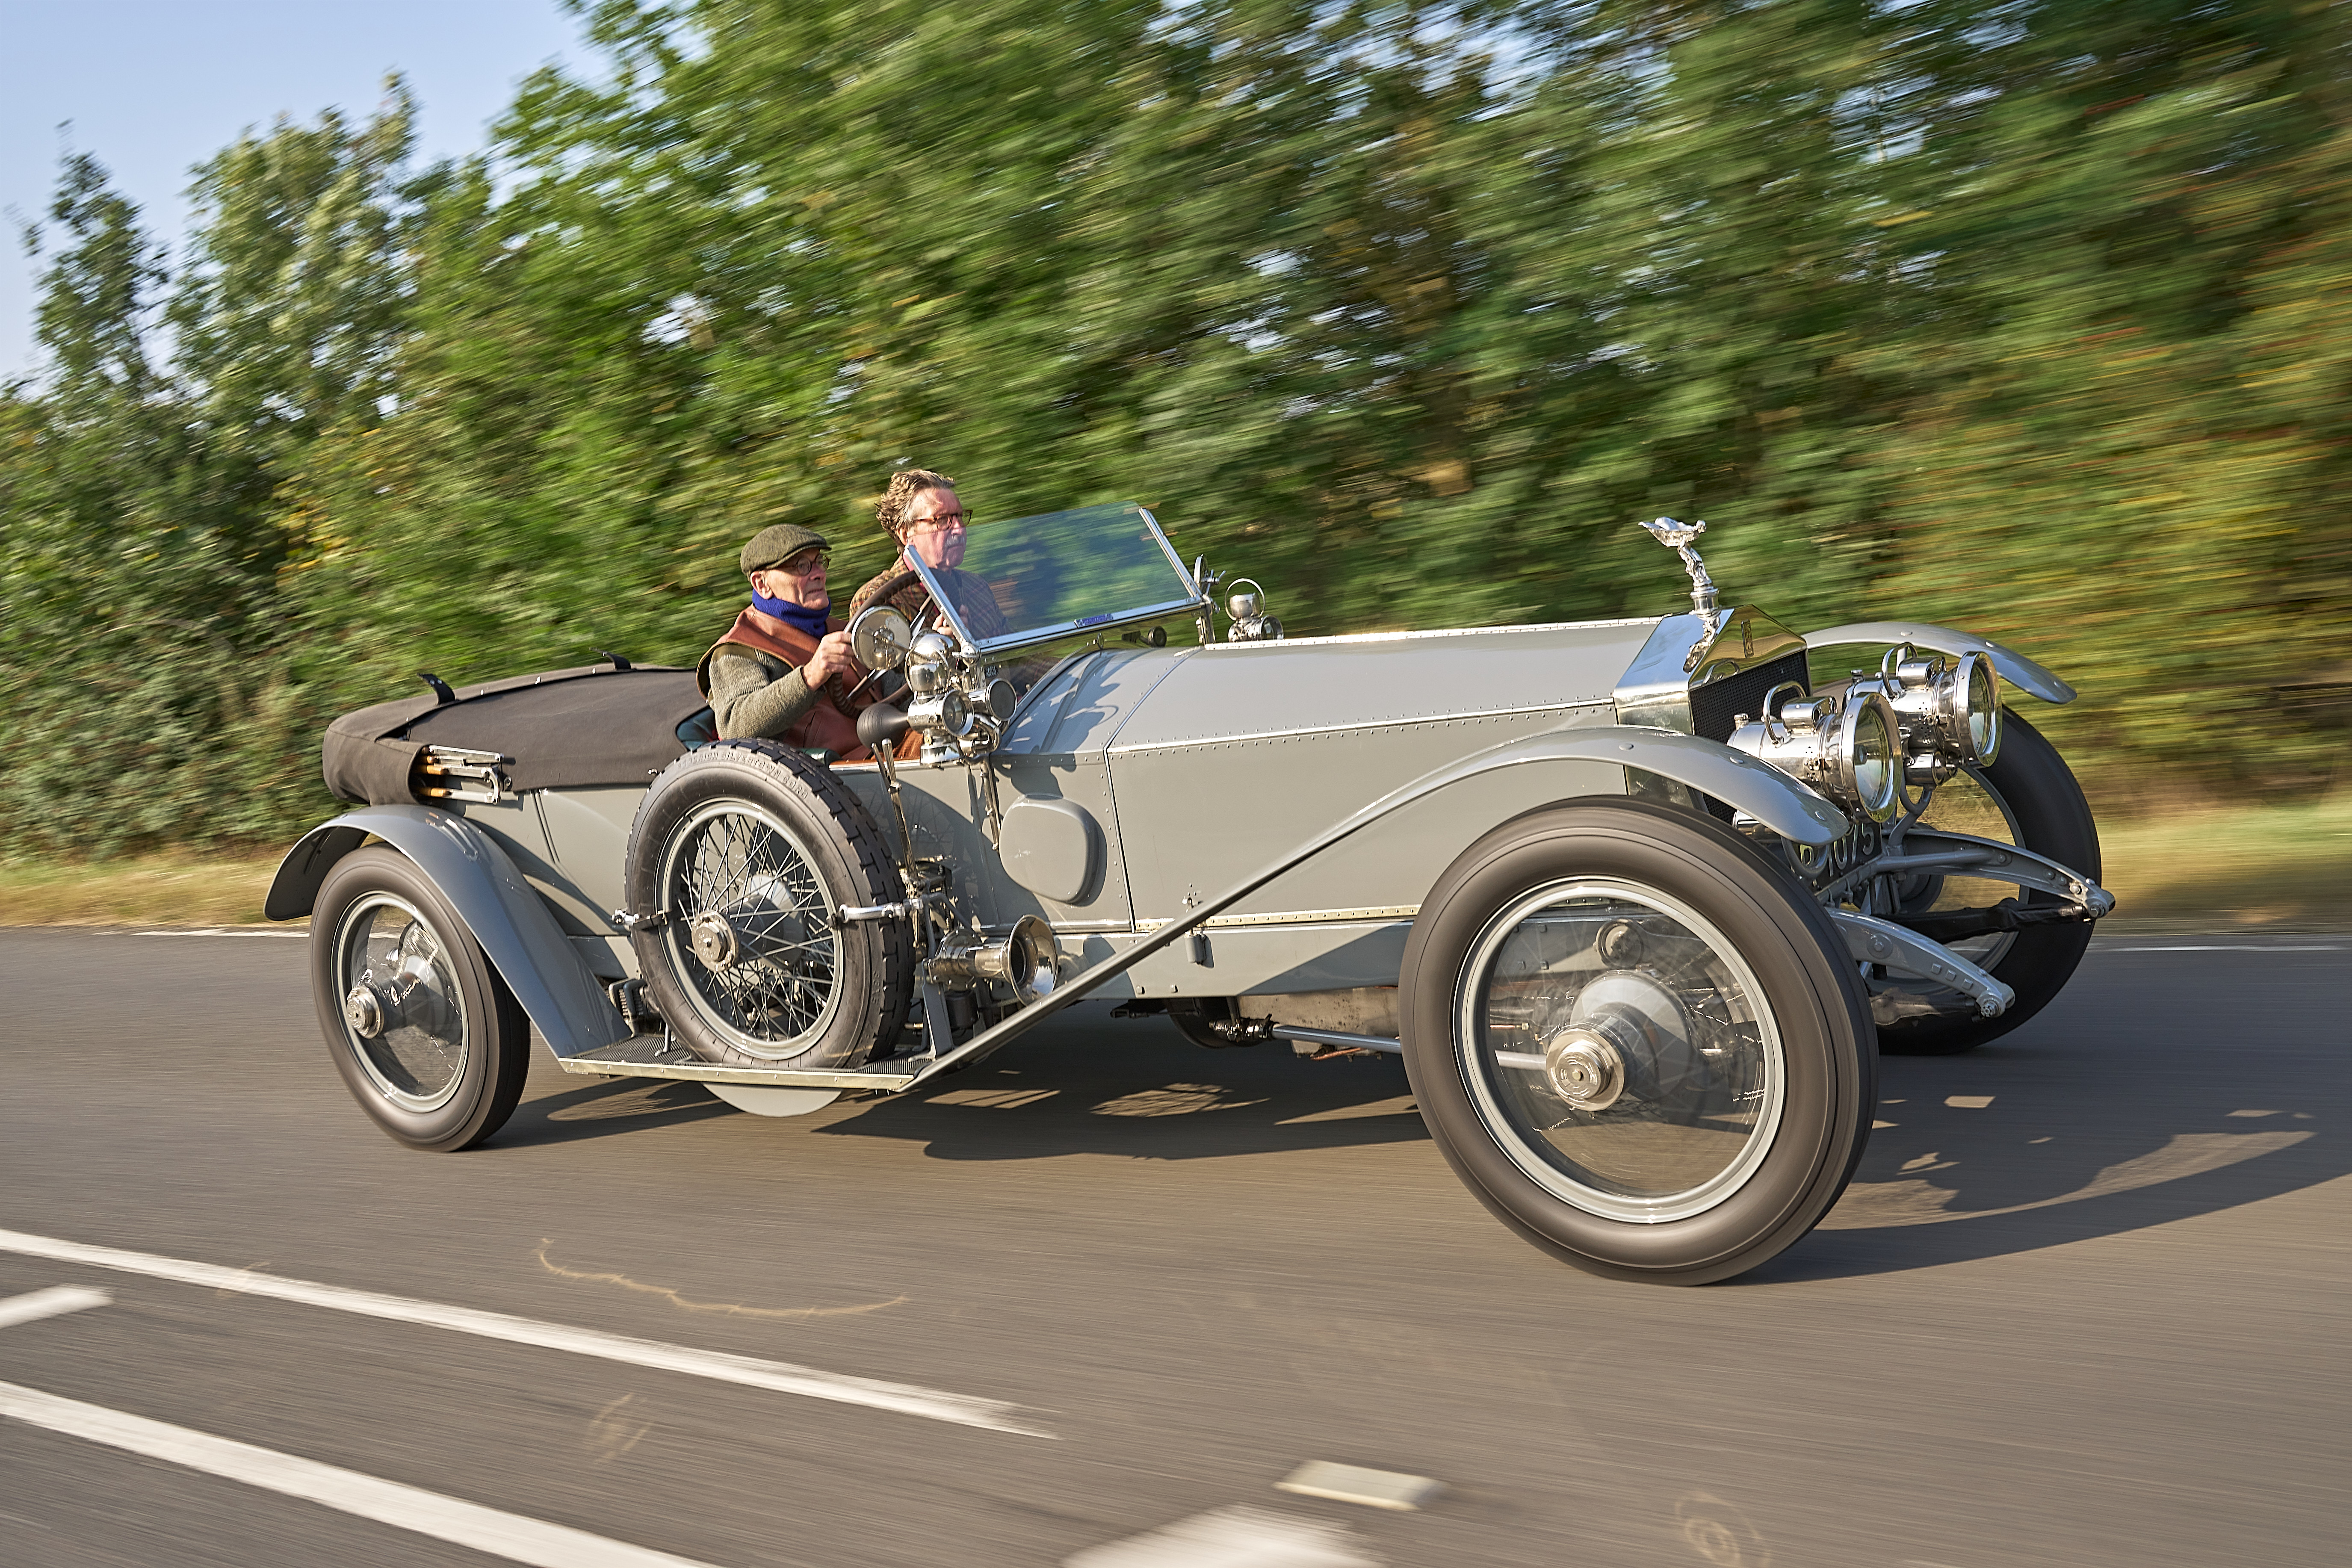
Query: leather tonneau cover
566	728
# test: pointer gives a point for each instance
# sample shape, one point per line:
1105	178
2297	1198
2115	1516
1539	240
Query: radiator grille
1714	707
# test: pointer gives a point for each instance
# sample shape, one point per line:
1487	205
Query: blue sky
152	87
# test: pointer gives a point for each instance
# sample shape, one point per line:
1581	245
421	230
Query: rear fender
2012	666
509	920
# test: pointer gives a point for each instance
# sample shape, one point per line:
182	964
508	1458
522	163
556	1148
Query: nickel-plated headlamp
1849	750
1949	712
1981	706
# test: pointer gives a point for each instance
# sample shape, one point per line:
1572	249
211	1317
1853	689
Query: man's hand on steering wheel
831	658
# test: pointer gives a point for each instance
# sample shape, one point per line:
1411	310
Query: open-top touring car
1637	900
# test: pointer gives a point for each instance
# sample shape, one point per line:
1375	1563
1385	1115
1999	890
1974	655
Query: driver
783	672
919	510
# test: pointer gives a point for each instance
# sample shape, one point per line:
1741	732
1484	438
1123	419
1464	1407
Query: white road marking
2229	947
509	1535
300	933
1231	1538
1354	1483
782	1377
49	1303
1968	1102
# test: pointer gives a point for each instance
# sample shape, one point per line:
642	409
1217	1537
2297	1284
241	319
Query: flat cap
777	543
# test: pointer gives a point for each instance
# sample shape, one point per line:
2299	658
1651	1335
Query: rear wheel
1637	1041
427	1037
2028	797
747	848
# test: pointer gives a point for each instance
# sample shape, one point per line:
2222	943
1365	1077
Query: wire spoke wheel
746	848
752	928
2026	797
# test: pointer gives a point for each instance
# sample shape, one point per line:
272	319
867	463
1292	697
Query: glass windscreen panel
1031	580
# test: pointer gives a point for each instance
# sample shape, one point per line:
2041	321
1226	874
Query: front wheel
1637	1041
427	1037
2027	796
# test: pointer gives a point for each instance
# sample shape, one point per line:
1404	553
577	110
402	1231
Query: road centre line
299	934
55	1301
509	1535
2233	947
779	1376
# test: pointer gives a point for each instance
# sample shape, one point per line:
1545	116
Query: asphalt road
2088	1302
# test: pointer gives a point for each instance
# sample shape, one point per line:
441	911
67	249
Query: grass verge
2274	866
145	890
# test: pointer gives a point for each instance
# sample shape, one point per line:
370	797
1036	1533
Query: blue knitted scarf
812	621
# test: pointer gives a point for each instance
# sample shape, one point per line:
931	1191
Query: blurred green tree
143	544
2031	318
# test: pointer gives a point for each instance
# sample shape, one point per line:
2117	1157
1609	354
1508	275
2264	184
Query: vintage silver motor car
1638	901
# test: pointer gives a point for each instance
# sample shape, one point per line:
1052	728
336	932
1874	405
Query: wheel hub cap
714	940
364	1011
1585	1069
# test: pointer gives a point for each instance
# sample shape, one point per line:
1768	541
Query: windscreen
1030	580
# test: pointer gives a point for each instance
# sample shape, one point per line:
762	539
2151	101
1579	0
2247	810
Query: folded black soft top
568	727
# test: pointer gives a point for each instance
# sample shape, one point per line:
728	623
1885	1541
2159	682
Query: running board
652	1055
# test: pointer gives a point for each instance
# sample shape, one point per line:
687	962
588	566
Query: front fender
1789	806
2012	666
509	919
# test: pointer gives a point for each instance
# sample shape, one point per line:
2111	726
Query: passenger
783	672
918	509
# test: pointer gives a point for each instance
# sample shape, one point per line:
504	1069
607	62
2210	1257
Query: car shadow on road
1083	1085
2073	1129
1136	1088
598	1107
2119	1109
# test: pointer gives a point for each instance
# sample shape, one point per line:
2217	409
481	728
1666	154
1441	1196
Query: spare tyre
746	848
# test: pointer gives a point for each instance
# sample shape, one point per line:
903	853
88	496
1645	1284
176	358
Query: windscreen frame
1060	631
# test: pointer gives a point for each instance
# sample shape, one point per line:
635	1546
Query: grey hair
904	487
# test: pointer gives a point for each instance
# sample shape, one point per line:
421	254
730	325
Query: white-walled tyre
1637	1041
427	1037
